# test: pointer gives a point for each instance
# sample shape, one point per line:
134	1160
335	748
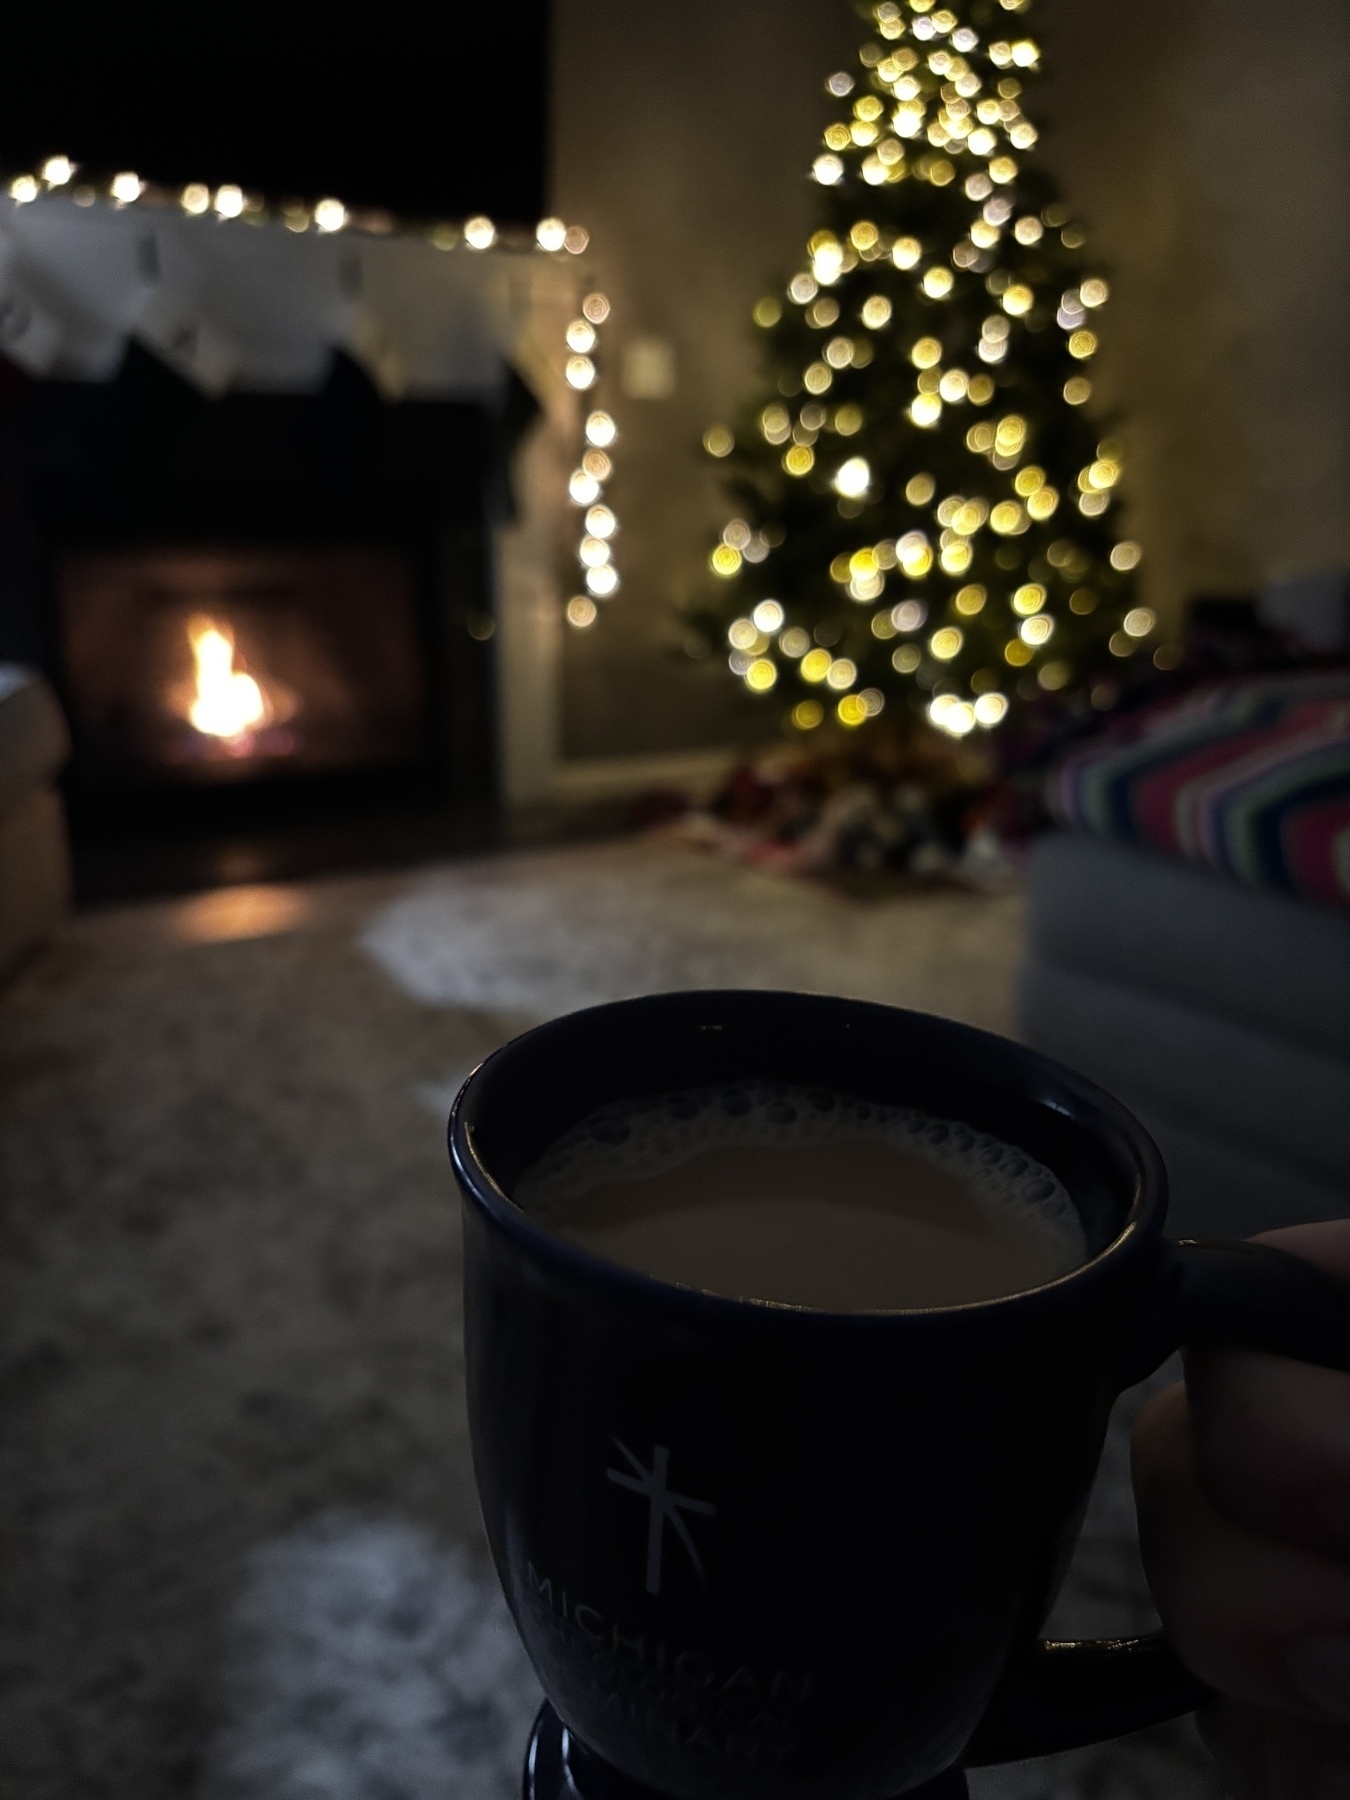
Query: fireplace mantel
236	307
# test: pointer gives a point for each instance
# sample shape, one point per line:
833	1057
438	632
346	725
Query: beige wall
1205	143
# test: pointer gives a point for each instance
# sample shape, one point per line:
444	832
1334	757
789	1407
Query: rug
241	1550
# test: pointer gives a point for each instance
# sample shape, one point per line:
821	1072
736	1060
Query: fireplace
270	617
223	664
276	519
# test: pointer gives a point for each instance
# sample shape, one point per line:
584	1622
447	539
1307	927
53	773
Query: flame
226	702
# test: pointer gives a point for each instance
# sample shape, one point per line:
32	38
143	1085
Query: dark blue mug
760	1552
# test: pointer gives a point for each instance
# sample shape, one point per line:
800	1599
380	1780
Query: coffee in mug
759	1190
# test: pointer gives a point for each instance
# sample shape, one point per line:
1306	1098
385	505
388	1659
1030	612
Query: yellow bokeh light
1017	653
799	460
480	233
1028	600
1139	621
955	717
851	710
1094	293
953	386
1077	390
816	665
1119	644
601	430
725	561
981	389
818	378
946	644
1018	299
991	709
581	335
582	611
1126	555
580	373
603	581
970	600
925	410
1083	344
1027	480
842	672
718	441
331	215
906	658
919	489
767	312
794	641
195	198
1043	503
876	312
927	353
550	234
761	675
853	478
807	714
768	616
57	171
905	252
848	420
1036	630
938	283
1008	519
744	634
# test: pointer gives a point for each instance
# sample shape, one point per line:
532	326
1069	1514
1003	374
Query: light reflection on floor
229	914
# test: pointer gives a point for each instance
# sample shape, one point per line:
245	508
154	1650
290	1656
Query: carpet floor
240	1555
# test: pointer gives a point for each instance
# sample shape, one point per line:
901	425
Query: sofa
34	855
1188	942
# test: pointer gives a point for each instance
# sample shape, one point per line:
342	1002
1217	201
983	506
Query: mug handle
1060	1696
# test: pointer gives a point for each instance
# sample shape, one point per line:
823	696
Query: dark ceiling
426	110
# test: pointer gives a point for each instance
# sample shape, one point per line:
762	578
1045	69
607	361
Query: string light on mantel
586	485
229	203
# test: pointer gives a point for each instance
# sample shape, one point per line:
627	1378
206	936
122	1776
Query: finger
1266	1757
1273	1436
1262	1621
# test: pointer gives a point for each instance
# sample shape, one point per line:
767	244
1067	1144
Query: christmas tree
926	510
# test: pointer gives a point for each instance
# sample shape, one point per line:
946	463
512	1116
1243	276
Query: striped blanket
1249	777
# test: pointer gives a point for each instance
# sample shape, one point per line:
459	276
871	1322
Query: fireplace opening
224	665
269	617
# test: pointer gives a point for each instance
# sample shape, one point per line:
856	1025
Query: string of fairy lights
327	216
924	113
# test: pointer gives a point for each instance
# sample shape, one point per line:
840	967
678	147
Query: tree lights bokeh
925	512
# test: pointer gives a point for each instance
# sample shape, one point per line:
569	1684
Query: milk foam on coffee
761	1191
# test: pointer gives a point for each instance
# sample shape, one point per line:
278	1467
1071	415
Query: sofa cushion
33	739
1280	1098
1148	921
1249	777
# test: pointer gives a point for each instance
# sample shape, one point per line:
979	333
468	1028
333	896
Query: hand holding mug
1243	1485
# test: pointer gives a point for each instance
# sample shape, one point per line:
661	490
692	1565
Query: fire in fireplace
225	664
